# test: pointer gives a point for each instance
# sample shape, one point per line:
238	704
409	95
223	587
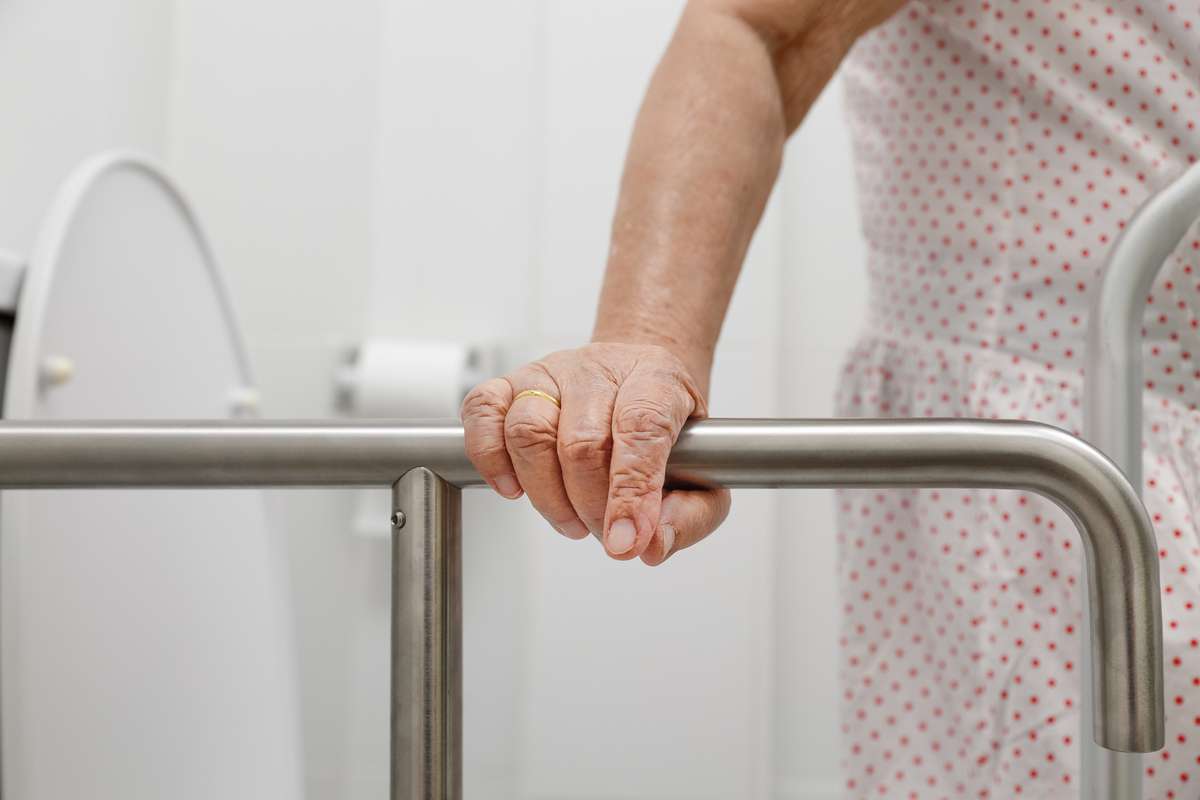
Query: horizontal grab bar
1117	535
730	452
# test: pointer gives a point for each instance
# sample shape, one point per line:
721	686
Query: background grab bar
1113	386
426	465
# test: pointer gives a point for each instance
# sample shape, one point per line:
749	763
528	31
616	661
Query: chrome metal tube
1112	400
426	739
1113	375
1117	535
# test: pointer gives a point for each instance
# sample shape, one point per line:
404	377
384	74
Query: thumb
687	516
647	418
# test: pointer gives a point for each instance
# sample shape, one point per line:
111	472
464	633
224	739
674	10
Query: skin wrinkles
737	78
637	479
585	475
532	434
585	452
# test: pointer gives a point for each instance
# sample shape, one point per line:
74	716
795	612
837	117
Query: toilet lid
146	650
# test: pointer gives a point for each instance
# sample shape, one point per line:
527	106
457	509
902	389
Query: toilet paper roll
397	379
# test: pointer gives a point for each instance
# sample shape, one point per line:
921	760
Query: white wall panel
272	132
824	296
75	78
455	198
272	129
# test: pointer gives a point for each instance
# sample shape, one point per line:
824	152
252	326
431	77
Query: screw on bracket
398	519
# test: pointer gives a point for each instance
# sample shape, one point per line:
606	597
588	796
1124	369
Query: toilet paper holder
403	379
386	378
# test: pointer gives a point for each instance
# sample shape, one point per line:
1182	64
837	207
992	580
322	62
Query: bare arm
590	444
737	79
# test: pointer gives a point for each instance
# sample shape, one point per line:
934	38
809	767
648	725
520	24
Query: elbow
786	25
805	40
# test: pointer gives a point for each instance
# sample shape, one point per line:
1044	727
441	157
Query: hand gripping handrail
1112	400
426	465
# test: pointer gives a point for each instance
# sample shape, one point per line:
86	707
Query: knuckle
485	400
585	451
531	434
603	369
634	480
645	421
484	449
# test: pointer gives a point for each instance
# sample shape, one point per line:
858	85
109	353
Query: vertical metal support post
1113	423
426	744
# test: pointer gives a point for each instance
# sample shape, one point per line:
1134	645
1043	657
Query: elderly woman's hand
598	463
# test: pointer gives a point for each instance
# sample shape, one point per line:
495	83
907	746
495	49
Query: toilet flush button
56	370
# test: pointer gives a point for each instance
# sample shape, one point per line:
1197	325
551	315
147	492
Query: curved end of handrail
1117	534
1123	587
1113	423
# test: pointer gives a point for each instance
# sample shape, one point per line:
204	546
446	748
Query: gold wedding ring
536	393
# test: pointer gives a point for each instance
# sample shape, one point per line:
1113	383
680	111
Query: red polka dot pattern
1002	146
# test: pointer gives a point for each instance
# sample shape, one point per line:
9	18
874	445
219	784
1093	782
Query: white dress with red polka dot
1001	147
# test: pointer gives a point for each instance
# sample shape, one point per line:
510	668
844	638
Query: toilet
145	636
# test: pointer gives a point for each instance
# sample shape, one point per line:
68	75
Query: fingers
598	464
649	412
687	517
531	436
585	445
483	413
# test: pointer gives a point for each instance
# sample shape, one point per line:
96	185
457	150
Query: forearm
704	156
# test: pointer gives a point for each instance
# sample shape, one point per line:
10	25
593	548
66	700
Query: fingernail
668	537
574	530
621	537
507	485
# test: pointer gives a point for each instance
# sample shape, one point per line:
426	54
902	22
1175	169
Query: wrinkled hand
599	463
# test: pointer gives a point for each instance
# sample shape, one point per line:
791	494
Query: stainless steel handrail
1113	394
1117	536
1113	386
